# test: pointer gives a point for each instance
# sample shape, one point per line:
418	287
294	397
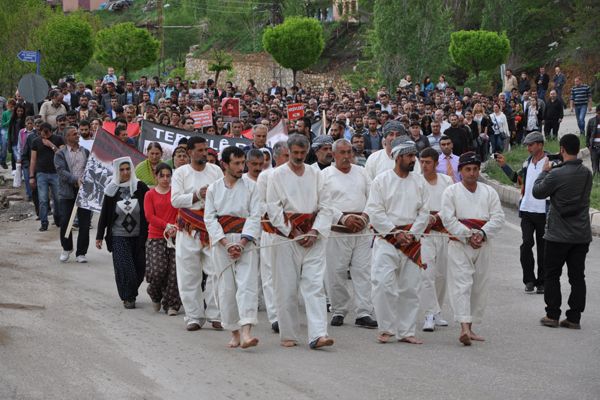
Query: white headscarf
266	151
115	184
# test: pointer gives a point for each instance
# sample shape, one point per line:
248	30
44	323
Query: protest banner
133	128
295	111
99	170
168	137
277	134
230	109
202	118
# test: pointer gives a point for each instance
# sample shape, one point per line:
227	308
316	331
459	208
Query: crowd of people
386	192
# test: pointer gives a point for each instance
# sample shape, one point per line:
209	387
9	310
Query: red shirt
159	212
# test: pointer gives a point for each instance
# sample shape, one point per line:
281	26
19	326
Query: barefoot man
397	208
472	213
232	216
297	206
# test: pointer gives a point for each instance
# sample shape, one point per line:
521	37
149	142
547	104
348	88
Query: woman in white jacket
500	130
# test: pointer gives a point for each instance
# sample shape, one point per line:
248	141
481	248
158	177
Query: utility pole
161	35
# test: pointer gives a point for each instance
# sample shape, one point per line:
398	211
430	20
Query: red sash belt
437	225
471	224
231	224
412	250
302	222
344	229
192	222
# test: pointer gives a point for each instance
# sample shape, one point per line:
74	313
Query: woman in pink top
160	259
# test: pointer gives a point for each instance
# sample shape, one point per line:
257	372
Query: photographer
531	210
568	231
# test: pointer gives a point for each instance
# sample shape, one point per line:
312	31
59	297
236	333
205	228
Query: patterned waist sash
344	229
231	224
437	225
412	250
192	222
302	222
471	223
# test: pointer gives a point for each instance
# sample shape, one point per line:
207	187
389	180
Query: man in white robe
397	209
471	211
281	156
381	160
434	247
348	186
297	206
232	216
192	256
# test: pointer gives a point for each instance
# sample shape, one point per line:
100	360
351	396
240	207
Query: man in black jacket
568	231
553	115
461	140
541	80
592	140
531	211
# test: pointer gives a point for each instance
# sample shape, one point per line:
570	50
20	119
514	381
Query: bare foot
478	338
323	342
251	342
384	337
235	340
411	340
288	343
465	338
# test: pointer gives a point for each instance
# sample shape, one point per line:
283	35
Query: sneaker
439	321
337	320
275	327
130	305
366	322
529	286
44	227
81	259
549	322
565	323
64	255
156	306
429	324
540	289
171	312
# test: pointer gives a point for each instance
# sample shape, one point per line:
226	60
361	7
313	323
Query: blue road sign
28	56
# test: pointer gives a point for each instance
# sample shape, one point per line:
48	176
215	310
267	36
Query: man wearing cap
397	209
322	148
471	212
348	186
531	210
381	160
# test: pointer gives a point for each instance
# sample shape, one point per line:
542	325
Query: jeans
13	158
83	236
46	182
580	112
574	255
3	144
497	143
532	223
28	190
541	93
595	156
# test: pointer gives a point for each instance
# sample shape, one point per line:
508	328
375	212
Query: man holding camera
568	231
531	210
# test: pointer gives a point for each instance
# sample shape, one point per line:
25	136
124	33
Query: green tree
126	47
411	37
66	43
477	51
220	62
296	44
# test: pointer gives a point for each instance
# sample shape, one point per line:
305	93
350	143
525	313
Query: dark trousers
532	224
595	157
129	260
551	128
83	236
556	256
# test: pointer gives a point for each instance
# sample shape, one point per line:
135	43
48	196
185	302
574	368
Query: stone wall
263	69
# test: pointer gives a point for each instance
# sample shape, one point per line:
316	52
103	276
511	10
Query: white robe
434	251
236	281
298	268
348	193
395	278
468	268
379	162
191	257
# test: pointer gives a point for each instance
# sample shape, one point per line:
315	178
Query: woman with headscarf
122	219
145	170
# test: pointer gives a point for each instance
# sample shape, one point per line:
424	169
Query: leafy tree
126	47
221	61
477	51
586	28
411	36
66	43
296	44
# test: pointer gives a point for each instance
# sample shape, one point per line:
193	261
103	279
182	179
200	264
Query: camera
555	159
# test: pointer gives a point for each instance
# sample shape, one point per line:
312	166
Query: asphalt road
65	335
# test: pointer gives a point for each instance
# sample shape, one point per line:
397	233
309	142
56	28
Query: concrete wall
262	68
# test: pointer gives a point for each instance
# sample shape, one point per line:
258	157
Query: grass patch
515	159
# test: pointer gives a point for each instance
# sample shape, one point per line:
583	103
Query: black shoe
529	287
4	165
337	320
129	304
565	323
549	322
366	322
43	228
275	326
540	289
